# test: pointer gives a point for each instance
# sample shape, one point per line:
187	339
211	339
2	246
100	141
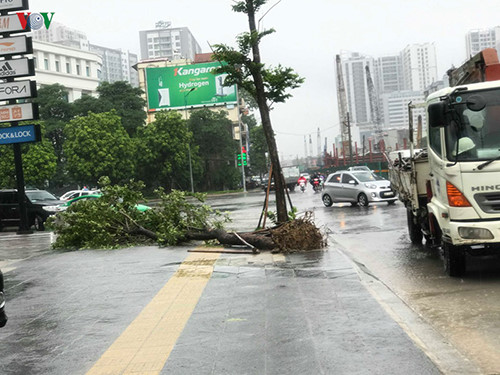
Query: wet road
465	311
91	310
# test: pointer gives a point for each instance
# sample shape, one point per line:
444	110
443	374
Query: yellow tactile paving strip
144	347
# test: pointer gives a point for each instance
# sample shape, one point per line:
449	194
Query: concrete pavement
149	310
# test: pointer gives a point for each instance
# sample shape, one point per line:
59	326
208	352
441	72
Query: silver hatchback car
357	187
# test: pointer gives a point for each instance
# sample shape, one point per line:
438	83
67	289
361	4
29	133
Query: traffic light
242	158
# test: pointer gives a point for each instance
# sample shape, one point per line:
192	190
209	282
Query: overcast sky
308	36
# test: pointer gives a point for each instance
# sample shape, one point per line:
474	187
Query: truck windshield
477	132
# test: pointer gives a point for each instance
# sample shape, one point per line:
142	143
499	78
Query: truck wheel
414	229
291	187
454	260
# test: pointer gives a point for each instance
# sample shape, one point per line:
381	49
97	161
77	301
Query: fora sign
17	90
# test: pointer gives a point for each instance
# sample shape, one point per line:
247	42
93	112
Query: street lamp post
189	146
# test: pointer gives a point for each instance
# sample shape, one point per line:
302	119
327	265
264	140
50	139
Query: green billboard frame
183	86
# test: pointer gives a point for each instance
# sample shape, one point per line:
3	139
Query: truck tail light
455	196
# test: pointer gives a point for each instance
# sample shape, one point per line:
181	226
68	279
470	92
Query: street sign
12	24
16	45
13	4
20	134
19	112
17	90
17	68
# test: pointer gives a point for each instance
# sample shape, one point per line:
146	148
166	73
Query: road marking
146	344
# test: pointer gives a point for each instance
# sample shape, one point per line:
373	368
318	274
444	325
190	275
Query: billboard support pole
18	161
189	146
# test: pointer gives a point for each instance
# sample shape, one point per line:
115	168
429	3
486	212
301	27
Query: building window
68	68
87	70
46	64
58	67
78	69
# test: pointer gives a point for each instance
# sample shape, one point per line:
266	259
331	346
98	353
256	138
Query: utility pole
241	145
348	124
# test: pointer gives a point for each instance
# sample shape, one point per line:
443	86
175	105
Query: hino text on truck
451	186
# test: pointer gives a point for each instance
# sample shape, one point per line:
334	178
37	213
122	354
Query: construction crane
374	109
342	104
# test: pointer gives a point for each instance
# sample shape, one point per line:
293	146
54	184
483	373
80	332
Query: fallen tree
113	221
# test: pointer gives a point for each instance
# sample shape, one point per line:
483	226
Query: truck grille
489	203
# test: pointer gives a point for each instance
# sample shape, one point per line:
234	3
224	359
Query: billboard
183	86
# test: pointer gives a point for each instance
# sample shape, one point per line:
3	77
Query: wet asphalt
259	314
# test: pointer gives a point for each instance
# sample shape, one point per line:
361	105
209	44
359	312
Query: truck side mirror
437	114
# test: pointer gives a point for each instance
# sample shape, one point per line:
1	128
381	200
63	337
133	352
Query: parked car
357	187
3	316
39	206
64	206
77	193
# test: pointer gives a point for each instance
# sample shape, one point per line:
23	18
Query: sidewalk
301	314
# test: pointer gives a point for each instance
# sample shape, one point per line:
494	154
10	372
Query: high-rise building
59	33
77	70
477	40
390	75
116	63
419	66
395	107
165	42
356	86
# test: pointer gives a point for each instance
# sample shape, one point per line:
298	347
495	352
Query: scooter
302	185
316	185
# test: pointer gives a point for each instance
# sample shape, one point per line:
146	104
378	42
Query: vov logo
35	20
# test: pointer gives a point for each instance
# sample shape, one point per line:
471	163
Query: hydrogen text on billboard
35	20
189	85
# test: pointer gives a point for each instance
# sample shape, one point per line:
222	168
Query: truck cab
463	153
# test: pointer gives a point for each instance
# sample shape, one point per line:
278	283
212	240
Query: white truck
451	186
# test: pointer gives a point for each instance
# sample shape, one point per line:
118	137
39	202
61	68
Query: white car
362	168
76	193
357	187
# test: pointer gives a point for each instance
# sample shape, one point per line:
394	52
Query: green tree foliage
98	145
258	149
127	101
39	163
120	96
163	152
112	221
55	112
212	132
267	85
88	103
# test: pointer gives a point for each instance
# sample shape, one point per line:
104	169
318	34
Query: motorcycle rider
302	182
315	180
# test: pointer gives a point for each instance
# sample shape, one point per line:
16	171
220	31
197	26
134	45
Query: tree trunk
260	241
279	182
